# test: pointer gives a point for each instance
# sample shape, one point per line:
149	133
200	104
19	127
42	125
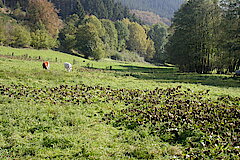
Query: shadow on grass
127	68
165	74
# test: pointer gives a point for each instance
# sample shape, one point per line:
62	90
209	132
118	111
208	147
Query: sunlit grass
45	131
122	75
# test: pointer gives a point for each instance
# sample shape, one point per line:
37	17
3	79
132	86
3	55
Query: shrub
98	53
127	56
2	34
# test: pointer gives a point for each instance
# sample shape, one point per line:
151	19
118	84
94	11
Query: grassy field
44	115
122	75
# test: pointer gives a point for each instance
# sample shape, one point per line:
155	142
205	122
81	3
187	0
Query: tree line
206	36
122	39
39	26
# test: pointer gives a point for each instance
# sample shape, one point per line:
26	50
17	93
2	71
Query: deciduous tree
88	41
123	34
193	44
42	40
158	33
137	39
42	12
20	37
67	35
111	36
230	37
97	23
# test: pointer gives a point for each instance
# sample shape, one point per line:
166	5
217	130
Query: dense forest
164	8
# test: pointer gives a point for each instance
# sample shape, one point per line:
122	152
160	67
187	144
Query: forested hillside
93	29
108	9
150	18
164	8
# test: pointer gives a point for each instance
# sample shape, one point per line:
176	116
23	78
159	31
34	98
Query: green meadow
104	109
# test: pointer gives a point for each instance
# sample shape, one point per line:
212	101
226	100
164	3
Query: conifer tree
79	10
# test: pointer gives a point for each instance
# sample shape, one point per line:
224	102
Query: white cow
68	66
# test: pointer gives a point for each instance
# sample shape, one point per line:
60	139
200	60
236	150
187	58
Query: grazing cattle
68	66
237	73
46	65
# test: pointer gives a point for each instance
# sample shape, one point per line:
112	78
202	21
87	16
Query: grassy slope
77	131
123	75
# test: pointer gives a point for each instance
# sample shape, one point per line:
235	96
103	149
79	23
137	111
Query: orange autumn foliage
42	12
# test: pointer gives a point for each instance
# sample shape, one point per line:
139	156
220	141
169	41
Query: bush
127	56
2	34
98	53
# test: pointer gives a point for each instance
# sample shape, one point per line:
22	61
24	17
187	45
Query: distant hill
150	17
164	8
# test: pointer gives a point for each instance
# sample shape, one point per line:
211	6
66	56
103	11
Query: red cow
46	65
